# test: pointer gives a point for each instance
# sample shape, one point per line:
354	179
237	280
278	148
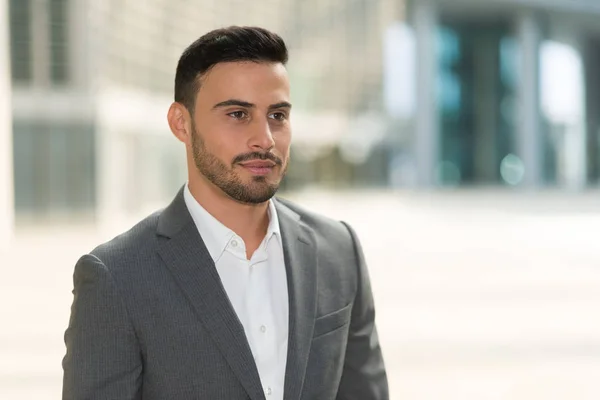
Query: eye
278	116
238	114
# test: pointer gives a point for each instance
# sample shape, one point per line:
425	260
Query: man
227	293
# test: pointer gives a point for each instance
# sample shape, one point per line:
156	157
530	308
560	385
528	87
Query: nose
262	137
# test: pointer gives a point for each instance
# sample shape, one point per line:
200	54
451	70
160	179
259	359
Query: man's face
241	129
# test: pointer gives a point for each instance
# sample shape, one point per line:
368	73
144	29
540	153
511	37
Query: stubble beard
258	191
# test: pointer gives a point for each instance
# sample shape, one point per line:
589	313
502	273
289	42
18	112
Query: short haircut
232	44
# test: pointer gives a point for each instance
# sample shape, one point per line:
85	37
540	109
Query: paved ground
481	294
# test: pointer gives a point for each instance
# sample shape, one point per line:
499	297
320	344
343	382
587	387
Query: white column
529	135
111	172
6	146
40	27
426	139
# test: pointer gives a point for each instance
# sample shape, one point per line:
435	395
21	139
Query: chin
262	185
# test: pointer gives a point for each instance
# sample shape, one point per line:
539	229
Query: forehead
248	81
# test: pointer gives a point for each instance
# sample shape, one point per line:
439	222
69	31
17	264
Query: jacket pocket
332	321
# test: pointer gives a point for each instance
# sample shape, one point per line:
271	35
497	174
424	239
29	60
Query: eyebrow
245	104
283	104
233	102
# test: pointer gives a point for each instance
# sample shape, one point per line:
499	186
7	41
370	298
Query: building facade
91	85
92	81
507	92
490	92
6	154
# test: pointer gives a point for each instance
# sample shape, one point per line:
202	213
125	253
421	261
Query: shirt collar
273	228
215	235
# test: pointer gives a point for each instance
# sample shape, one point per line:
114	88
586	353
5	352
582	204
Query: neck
249	221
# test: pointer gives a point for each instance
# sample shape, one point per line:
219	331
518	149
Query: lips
258	164
259	167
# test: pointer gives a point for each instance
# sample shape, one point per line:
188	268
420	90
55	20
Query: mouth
259	167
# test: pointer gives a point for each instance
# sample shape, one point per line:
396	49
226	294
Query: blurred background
461	138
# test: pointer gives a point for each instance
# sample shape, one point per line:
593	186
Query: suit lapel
189	261
299	249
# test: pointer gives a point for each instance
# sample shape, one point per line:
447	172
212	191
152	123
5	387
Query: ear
180	123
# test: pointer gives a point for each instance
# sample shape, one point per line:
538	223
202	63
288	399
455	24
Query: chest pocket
332	321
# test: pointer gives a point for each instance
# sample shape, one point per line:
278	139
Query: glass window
20	40
59	57
54	167
592	70
476	91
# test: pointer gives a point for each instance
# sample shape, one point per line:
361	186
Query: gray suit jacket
151	320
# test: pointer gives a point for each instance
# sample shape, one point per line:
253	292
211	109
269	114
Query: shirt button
234	243
263	329
269	391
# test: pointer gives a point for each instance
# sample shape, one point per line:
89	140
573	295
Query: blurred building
446	92
507	92
92	82
91	85
6	156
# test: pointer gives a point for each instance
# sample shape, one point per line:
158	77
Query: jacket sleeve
364	376
103	359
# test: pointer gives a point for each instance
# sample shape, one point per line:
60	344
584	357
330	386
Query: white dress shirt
257	290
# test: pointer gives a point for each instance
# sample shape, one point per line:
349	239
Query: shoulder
334	232
338	253
131	246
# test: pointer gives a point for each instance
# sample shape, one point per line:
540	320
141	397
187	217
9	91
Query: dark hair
224	45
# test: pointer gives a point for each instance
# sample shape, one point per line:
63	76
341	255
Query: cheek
282	143
220	144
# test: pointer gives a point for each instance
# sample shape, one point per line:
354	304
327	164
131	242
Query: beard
223	176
